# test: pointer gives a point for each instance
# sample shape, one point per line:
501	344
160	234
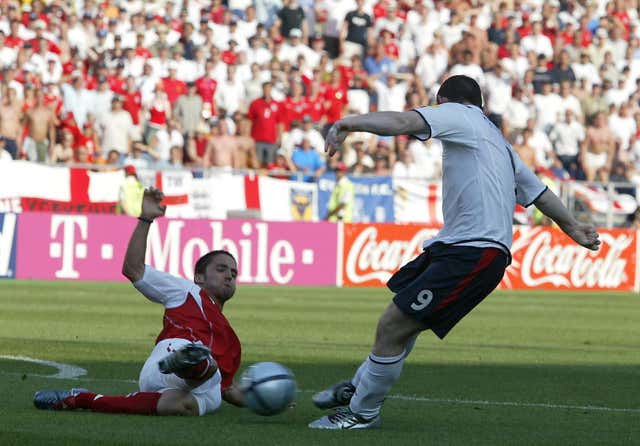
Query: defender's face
220	277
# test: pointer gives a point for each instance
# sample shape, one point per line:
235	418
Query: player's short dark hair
205	260
461	89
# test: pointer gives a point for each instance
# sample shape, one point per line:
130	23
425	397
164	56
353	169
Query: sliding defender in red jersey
197	353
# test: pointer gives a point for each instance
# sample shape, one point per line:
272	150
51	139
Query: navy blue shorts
444	283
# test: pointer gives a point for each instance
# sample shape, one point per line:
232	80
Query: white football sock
379	375
356	378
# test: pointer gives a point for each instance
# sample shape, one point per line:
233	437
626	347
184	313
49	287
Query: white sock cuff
386	360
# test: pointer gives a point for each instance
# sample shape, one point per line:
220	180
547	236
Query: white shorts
596	160
208	394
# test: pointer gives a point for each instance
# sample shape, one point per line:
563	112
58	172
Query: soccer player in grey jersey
483	179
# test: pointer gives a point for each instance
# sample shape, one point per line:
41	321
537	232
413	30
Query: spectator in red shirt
391	49
347	73
173	86
206	87
280	165
141	50
90	143
335	96
230	56
293	107
216	13
117	81
132	102
40	26
13	40
265	115
314	104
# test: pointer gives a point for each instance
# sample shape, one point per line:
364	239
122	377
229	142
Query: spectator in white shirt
569	101
567	136
391	94
116	128
257	52
616	94
7	55
518	111
599	47
516	64
52	71
309	132
406	167
452	31
432	65
548	107
584	69
249	24
102	99
498	90
536	41
428	156
230	94
167	138
77	35
390	22
468	68
294	47
623	127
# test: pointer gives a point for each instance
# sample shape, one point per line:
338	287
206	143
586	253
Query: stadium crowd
253	84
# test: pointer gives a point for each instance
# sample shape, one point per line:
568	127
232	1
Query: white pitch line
67	371
512	404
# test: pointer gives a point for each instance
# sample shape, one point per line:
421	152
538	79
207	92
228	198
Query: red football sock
143	403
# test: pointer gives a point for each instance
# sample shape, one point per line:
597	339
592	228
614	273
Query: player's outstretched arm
133	265
582	233
233	395
380	123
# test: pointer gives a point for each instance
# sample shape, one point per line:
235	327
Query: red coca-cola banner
543	257
372	253
546	258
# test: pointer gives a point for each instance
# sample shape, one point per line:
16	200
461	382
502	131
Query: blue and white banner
8	237
373	198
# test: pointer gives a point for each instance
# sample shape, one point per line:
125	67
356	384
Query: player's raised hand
584	234
151	207
335	138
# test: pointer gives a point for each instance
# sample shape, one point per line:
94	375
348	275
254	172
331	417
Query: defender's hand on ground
335	138
585	235
151	207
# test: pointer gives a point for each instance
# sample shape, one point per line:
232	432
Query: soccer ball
269	388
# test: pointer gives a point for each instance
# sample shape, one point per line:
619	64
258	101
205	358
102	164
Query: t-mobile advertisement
92	247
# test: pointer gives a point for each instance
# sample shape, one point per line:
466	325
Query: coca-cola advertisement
546	258
543	257
372	253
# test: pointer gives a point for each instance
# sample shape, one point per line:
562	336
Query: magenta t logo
68	248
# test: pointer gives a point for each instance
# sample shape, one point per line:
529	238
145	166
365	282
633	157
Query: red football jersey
265	116
336	99
292	111
133	104
190	314
314	108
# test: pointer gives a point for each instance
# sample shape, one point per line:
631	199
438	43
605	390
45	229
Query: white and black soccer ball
269	388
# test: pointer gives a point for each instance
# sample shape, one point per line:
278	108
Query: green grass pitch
526	368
